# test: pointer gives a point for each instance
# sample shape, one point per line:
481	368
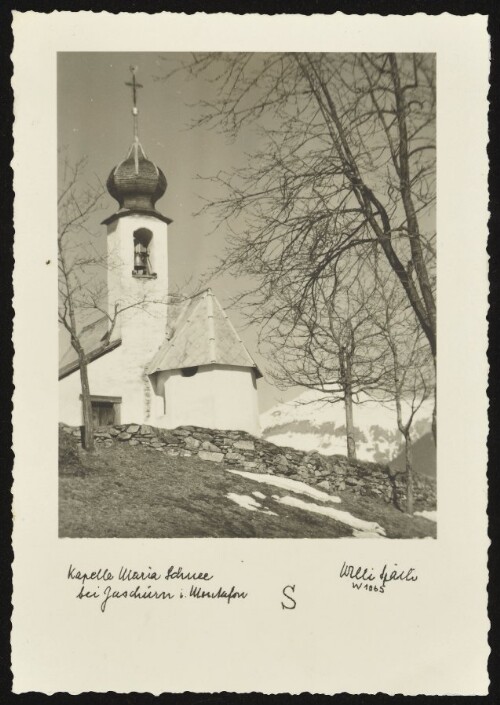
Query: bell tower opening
143	266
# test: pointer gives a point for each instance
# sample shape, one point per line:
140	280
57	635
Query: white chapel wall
215	397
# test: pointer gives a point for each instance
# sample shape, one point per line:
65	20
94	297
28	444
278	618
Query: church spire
135	113
136	182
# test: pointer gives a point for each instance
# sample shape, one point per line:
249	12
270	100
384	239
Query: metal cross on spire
134	85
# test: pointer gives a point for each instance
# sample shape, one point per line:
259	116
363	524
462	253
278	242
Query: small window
142	253
103	413
105	410
189	371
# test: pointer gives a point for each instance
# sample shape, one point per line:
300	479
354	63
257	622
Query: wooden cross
134	85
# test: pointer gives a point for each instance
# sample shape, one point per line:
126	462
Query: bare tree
409	379
330	345
344	163
76	204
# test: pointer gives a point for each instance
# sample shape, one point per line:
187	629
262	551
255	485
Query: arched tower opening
143	253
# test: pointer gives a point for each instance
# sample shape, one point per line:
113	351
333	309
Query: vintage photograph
247	309
246	223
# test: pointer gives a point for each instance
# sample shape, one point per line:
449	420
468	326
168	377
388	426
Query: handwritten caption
373	580
105	586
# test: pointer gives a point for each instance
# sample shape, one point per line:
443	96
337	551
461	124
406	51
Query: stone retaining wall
239	450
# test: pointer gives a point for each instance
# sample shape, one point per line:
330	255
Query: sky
95	121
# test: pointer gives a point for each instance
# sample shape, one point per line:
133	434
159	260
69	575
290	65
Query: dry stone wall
241	451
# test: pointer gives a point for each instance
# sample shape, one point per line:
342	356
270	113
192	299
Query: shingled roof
201	334
91	337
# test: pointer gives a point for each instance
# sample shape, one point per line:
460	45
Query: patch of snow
366	534
259	495
430	515
285	483
343	517
247	502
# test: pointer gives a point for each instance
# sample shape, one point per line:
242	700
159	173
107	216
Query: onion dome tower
136	183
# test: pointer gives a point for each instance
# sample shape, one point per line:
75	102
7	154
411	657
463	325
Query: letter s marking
289	597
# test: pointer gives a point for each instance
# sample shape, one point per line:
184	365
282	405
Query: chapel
164	363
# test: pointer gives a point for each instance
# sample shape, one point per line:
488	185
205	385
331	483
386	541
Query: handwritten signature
369	579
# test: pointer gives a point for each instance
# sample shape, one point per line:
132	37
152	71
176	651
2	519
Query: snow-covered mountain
309	422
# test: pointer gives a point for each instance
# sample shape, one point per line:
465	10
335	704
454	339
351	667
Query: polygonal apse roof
201	334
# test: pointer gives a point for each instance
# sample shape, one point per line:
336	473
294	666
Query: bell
139	261
140	258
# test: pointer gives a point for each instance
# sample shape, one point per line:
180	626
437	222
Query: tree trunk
414	236
409	475
349	424
346	381
88	424
372	208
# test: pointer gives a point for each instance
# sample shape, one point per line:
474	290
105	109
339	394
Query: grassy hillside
125	491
